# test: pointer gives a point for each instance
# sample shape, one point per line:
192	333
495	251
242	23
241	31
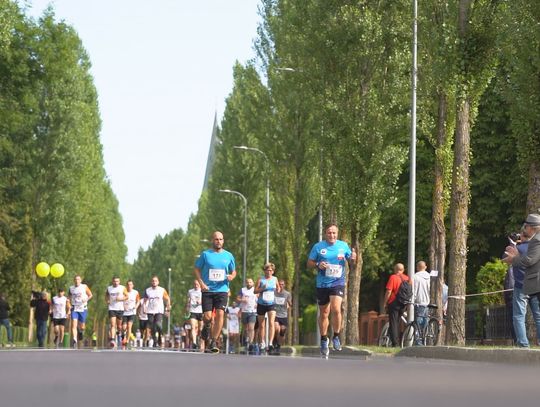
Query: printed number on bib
268	296
333	270
280	300
216	274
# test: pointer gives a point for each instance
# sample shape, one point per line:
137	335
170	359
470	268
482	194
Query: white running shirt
79	299
154	297
195	301
59	307
130	302
248	294
116	297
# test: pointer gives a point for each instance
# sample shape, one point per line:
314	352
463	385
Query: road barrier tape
462	297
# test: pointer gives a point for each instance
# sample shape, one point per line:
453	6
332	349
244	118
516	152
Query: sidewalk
495	355
315	351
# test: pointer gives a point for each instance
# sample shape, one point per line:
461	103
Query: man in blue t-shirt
328	257
214	269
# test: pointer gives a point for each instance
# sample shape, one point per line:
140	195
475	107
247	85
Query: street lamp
170	296
267	164
228	191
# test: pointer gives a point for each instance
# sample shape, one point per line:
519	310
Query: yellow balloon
57	270
43	269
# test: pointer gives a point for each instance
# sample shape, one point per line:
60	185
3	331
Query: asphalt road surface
146	378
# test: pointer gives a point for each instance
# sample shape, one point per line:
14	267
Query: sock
324	338
336	334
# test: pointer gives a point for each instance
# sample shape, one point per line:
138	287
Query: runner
143	322
131	303
328	257
214	269
266	286
60	311
115	296
158	303
283	303
248	306
79	295
194	307
233	327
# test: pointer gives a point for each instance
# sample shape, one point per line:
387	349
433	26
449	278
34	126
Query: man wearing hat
530	261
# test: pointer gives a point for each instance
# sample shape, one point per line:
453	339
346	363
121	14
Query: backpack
404	294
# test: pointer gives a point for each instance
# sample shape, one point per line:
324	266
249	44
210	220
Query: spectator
42	306
510	284
421	287
395	308
4	318
520	299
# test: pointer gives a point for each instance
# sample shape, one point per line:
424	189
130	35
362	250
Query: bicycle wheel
384	338
409	335
432	333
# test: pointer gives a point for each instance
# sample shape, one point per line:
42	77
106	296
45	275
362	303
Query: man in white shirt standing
421	286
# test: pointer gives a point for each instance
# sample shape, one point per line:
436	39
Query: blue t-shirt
215	266
267	297
335	255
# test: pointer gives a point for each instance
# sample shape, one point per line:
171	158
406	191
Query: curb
315	351
509	356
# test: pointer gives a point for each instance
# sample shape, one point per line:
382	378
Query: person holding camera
42	307
521	244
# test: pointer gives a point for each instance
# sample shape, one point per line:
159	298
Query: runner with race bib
60	310
194	308
283	303
115	296
248	306
157	303
79	295
131	303
215	268
267	287
328	257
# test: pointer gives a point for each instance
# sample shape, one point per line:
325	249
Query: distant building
211	153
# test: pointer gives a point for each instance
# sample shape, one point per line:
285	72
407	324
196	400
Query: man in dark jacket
42	316
4	318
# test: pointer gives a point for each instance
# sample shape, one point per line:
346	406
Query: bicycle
384	338
429	336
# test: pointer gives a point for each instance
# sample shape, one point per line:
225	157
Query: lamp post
228	191
267	164
169	318
412	171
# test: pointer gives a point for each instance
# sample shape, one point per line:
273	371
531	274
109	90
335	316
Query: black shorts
128	318
59	321
324	294
116	314
143	324
214	300
283	321
155	319
196	315
263	309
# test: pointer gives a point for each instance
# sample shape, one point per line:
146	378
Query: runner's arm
231	276
197	272
88	294
258	289
167	300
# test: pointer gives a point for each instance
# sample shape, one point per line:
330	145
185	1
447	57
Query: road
146	378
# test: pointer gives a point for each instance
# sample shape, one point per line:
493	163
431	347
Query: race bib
216	275
268	296
333	270
280	300
152	305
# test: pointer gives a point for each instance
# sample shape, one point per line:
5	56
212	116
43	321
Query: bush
491	278
309	319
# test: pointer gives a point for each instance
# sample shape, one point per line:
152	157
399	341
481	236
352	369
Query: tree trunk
533	196
437	247
353	294
455	333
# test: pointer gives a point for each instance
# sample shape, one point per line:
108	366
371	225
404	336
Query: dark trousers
41	332
394	312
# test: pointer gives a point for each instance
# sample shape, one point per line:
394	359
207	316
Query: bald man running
215	268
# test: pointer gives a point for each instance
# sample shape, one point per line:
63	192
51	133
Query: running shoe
324	347
256	350
270	350
336	343
213	347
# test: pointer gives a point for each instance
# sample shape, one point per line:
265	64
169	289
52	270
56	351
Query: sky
162	69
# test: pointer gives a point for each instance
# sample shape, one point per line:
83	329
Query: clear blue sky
162	69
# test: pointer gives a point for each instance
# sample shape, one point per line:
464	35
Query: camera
514	237
36	295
